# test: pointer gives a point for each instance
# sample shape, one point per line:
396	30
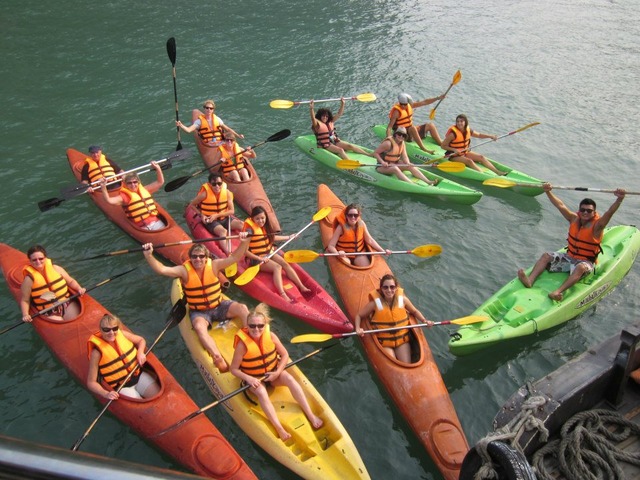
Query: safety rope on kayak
587	447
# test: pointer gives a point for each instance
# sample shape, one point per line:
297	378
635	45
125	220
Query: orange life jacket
461	141
205	293
405	117
209	133
325	134
351	240
261	243
50	281
138	205
385	316
212	203
581	243
261	357
115	363
393	155
232	160
100	169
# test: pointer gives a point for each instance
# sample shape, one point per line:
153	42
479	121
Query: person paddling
98	166
401	115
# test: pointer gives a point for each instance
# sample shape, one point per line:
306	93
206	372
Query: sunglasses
256	326
209	108
38	259
586	210
132	182
110	329
388	287
198	256
400	135
216	183
353	215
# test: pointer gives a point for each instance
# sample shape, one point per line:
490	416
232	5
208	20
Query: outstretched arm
604	220
177	271
559	204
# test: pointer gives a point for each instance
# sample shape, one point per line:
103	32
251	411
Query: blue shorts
218	314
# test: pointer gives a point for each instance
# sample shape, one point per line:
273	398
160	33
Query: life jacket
202	294
325	134
207	132
50	281
213	204
393	155
116	362
261	357
389	317
100	169
461	141
260	243
138	205
405	119
351	240
581	243
232	161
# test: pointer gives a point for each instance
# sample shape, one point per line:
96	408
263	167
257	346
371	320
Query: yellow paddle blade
320	214
366	97
248	275
348	164
231	270
470	319
527	126
500	182
456	77
451	167
300	256
427	250
312	337
281	104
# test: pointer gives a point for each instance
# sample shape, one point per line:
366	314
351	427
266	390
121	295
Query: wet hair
199	248
324	111
34	249
260	310
267	226
207	101
213	176
388	276
462	116
108	318
588	201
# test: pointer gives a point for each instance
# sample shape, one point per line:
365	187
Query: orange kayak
416	388
197	445
247	194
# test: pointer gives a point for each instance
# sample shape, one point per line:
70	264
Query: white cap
405	98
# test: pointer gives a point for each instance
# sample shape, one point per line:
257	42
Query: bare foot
425	149
316	422
304	289
555	296
523	278
434	183
286	297
501	174
220	364
283	434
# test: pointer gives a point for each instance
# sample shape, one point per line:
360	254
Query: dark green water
75	74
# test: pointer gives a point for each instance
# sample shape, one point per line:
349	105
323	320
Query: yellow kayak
326	453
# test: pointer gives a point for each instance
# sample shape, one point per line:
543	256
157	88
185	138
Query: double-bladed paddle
250	273
456	78
305	256
178	182
282	104
506	183
323	337
176	315
171	51
451	167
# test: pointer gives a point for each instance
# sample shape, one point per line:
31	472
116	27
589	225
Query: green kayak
416	155
445	190
516	311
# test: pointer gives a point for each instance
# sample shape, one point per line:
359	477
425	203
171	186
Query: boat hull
416	388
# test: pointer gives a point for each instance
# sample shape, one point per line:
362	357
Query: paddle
506	183
305	256
178	182
250	273
456	78
323	337
451	167
234	393
171	51
73	191
231	270
176	315
62	302
363	97
483	143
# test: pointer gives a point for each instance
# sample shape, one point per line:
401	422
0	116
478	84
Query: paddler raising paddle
401	115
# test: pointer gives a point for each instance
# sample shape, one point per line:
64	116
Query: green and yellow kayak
516	311
445	190
416	155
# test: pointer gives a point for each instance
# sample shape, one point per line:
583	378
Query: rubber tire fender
508	462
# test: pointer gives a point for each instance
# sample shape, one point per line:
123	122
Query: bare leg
285	378
276	270
200	326
538	268
291	273
352	148
418	174
394	171
403	352
270	412
577	274
483	160
433	131
415	136
467	161
338	151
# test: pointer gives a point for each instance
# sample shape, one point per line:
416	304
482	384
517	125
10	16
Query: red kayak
416	388
197	444
246	194
317	309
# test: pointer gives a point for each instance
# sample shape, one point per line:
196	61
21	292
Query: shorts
137	389
218	314
563	262
210	227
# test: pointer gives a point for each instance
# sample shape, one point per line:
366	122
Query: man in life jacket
97	166
136	199
586	229
401	115
209	126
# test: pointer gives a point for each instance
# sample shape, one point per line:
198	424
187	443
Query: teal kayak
416	155
516	311
445	190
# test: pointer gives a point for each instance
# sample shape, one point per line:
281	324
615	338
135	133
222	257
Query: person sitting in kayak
392	158
136	199
98	166
214	203
458	140
323	126
259	357
401	115
586	230
261	245
390	308
351	235
203	291
46	284
113	354
209	126
232	159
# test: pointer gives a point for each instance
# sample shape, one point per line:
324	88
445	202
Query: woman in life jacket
259	357
390	308
113	354
323	126
232	159
208	126
457	142
46	284
261	245
351	235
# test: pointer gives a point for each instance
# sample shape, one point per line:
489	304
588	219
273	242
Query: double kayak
418	156
445	190
416	388
197	445
327	453
516	311
317	308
